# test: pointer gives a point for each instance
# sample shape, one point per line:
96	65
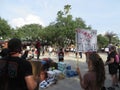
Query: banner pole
77	62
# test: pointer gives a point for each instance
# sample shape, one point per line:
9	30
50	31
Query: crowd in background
37	49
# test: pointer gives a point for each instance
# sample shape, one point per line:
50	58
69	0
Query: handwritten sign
86	40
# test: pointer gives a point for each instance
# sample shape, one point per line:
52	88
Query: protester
112	66
80	54
25	55
5	50
15	73
118	49
38	46
50	50
61	55
95	77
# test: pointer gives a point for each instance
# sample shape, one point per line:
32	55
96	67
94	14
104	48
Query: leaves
5	30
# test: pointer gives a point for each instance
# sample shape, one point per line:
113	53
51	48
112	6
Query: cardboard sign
86	40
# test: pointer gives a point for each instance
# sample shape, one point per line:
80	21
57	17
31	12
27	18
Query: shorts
61	59
112	69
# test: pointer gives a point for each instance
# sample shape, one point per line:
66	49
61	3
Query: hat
14	45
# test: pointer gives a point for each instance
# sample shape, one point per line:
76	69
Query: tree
5	30
60	32
66	25
31	32
102	41
110	35
67	9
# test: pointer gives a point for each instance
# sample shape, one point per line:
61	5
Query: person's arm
30	82
80	77
109	62
79	73
83	81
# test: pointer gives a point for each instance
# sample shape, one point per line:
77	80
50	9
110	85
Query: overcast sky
101	15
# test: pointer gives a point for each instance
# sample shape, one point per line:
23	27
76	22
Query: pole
77	62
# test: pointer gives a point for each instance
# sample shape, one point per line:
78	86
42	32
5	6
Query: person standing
15	73
80	54
95	77
5	50
50	50
61	55
112	66
118	50
38	46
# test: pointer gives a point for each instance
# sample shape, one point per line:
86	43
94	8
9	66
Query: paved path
73	83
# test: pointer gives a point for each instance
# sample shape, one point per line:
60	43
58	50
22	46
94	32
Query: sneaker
43	84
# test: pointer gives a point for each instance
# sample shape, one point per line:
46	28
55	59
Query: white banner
86	40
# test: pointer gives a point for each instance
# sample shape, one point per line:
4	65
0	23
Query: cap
14	45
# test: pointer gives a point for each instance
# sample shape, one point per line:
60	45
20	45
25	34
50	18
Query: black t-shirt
111	55
13	71
60	54
113	66
4	52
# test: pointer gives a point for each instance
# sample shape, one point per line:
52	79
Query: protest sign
86	40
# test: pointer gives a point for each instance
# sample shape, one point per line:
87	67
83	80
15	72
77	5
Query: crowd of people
16	71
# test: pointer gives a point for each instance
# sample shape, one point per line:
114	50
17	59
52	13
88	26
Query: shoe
43	84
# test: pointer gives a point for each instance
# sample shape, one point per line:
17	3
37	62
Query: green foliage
65	27
60	32
102	41
110	36
30	32
5	30
105	40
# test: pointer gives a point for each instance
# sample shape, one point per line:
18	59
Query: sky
101	15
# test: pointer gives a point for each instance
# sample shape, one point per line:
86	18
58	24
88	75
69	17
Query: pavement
72	83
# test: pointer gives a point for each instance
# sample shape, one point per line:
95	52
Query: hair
112	48
44	72
98	67
14	45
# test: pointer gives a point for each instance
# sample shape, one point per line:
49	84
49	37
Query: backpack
3	75
117	59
